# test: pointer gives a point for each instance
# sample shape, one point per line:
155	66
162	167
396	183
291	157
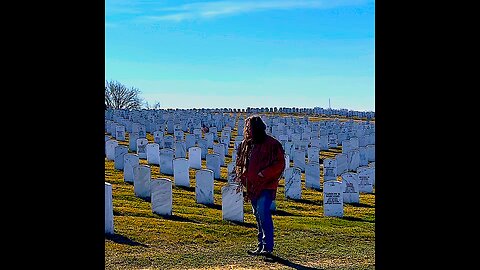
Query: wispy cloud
205	10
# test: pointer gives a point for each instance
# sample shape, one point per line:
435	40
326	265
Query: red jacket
267	158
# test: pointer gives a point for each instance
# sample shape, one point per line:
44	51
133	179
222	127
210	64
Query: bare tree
118	96
156	106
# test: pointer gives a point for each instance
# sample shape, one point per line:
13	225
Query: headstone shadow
120	239
243	224
357	219
176	218
320	203
277	259
361	205
192	189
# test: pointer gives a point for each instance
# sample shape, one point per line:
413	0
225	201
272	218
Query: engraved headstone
166	161
312	175
141	181
132	141
189	140
204	186
158	138
108	209
353	158
213	163
350	188
293	183
329	169
168	141
120	152
110	149
219	148
130	161
153	152
181	172
120	133
142	148
332	199
365	179
232	203
342	163
299	159
313	154
371	152
161	198
231	172
180	149
362	152
194	158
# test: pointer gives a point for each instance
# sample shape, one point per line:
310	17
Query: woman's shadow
275	258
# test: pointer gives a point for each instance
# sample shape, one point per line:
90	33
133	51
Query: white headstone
181	172
209	138
365	179
153	152
110	149
108	209
180	149
141	181
162	199
231	172
371	152
168	141
219	148
323	142
132	141
332	141
158	138
130	161
350	188
362	151
120	151
141	148
329	170
120	133
332	199
313	154
204	186
189	140
178	135
342	163
299	159
202	143
194	158
353	158
213	163
312	175
293	183
232	203
166	161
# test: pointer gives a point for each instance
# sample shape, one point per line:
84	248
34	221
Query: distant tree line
119	96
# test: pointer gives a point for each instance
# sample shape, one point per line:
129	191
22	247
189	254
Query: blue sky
238	54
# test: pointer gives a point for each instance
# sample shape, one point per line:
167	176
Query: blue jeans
263	215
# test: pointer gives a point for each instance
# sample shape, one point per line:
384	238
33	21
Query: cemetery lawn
196	237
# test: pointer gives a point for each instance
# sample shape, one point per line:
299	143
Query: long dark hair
253	132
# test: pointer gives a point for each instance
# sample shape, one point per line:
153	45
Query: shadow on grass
274	258
176	218
120	239
243	224
320	203
191	189
215	206
361	205
357	219
282	213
